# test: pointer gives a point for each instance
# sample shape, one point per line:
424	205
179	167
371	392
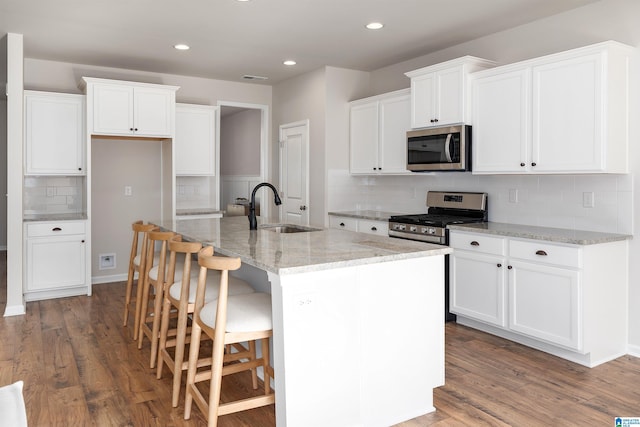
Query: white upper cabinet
130	108
439	93
194	143
54	133
562	113
378	134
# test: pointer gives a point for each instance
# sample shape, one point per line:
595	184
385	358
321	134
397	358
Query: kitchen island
358	334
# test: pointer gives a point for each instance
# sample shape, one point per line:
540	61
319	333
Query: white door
294	175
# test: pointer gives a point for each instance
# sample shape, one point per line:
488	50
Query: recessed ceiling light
374	25
181	46
289	62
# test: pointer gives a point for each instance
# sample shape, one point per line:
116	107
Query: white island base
360	345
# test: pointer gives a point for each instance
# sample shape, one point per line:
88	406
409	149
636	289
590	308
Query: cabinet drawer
477	243
343	223
62	228
539	251
373	227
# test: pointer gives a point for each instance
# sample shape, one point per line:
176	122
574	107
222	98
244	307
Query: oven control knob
413	229
432	231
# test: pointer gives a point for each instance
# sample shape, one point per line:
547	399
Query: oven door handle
447	148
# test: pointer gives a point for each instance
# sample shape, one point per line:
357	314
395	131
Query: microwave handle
447	146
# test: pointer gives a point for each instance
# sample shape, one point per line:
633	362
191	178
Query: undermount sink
287	228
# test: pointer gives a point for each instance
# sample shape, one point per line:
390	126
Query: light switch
128	191
513	195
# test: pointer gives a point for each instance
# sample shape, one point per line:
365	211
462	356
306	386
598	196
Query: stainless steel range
443	208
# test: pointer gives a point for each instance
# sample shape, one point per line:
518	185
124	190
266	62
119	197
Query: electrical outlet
588	199
128	191
51	191
513	195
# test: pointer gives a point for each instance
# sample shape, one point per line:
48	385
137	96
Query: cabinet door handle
541	253
509	267
499	265
374	229
79	169
56	229
533	164
522	164
131	129
82	241
474	243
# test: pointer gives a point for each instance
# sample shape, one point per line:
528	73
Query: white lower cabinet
545	303
56	259
368	226
566	299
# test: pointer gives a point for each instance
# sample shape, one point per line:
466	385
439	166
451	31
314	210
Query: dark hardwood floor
81	368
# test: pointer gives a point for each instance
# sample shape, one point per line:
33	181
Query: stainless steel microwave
443	148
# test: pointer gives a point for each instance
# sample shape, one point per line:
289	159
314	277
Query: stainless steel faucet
253	222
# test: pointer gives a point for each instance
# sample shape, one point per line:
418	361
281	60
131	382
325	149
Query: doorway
242	153
294	172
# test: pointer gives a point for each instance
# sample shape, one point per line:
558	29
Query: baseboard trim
14	310
634	350
109	279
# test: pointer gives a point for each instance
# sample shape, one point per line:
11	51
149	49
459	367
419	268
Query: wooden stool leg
194	352
254	371
155	331
144	309
164	330
266	366
127	300
216	379
138	311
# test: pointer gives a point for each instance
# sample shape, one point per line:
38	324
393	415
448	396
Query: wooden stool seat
236	287
245	313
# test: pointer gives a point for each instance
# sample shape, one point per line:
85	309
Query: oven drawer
477	243
548	253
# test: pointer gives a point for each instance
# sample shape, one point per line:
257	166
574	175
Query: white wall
553	201
298	99
240	143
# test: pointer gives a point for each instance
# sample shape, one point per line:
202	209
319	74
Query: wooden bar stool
154	281
231	319
180	295
136	265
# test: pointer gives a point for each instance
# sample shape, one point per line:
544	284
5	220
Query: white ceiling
229	38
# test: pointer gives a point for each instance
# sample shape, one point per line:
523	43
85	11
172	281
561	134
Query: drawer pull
56	229
541	253
474	243
374	229
342	224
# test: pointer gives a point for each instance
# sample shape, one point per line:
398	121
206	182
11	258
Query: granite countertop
289	253
367	214
558	235
54	217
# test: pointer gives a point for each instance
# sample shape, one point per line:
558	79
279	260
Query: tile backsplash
543	200
54	195
193	192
